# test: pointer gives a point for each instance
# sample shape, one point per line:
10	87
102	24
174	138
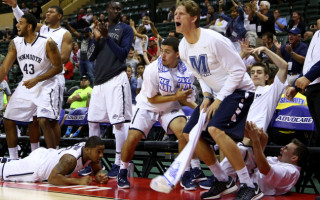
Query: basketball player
37	92
167	84
63	39
220	70
56	166
111	95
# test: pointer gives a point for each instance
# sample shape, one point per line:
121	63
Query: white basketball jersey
56	34
55	156
32	58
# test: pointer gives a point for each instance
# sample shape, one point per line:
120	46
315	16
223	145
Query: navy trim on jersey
139	131
2	171
51	102
56	30
35	40
16	120
123	104
134	117
24	174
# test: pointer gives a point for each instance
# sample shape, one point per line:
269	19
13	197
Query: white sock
187	168
94	129
120	131
124	165
57	147
117	159
34	146
13	153
195	163
218	172
244	177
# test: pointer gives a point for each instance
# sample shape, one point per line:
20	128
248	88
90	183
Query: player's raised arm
66	165
17	12
8	61
66	47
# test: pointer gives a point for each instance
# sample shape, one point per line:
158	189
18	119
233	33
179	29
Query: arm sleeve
93	49
232	64
314	72
6	88
126	42
17	12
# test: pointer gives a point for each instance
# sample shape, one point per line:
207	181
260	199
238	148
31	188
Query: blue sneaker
198	175
123	179
114	171
186	181
85	172
207	184
4	160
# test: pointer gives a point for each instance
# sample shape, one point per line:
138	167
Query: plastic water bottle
131	169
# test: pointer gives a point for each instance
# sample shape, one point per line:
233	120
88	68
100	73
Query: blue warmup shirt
110	53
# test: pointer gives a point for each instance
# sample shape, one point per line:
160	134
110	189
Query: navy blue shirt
300	49
110	53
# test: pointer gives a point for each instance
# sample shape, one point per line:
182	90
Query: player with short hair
220	70
37	92
56	166
111	95
63	39
167	84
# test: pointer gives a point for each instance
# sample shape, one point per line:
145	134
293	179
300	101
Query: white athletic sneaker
160	184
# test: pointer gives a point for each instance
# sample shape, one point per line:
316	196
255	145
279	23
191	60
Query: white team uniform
111	101
38	165
57	36
40	99
207	59
265	102
280	179
147	113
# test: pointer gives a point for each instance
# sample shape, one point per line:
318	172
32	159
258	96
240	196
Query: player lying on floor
56	166
274	175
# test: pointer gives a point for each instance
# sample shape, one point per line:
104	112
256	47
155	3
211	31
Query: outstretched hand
12	3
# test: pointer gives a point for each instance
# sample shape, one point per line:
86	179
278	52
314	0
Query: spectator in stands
267	41
246	56
139	34
173	33
7	35
42	19
75	55
88	17
36	9
294	52
204	9
79	98
251	34
235	28
86	67
307	37
315	27
153	48
132	62
124	19
220	25
140	70
68	70
310	80
296	21
94	19
280	22
24	8
4	89
80	23
133	84
102	18
146	22
211	16
264	21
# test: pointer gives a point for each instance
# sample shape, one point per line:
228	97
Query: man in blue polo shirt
294	52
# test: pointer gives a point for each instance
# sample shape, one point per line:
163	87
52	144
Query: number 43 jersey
32	57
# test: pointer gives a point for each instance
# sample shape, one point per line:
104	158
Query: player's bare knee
215	132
